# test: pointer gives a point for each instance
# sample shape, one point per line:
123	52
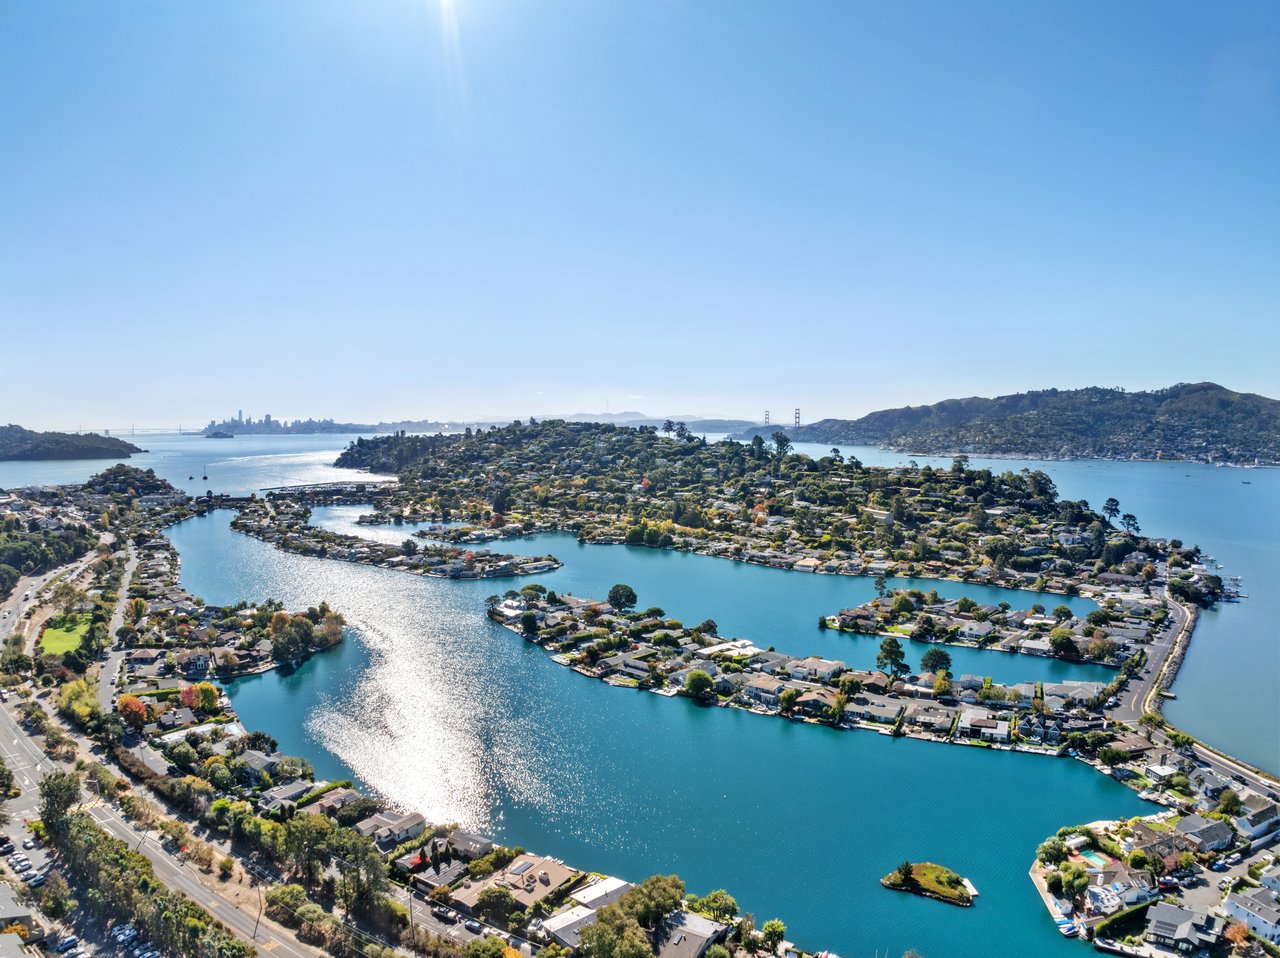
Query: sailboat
206	473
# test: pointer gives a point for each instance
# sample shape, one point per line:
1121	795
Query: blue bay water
446	712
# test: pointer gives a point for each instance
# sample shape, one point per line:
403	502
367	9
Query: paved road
233	904
1130	708
115	656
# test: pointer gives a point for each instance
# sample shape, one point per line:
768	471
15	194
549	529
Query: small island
930	881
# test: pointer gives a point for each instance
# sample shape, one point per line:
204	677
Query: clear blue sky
394	208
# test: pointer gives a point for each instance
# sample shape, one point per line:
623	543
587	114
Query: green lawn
931	878
61	641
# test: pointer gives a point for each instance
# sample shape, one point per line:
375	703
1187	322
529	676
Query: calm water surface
444	711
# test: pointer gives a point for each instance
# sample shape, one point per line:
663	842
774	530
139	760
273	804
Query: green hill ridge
1201	422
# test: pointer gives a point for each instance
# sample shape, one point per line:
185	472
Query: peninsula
1198	422
19	443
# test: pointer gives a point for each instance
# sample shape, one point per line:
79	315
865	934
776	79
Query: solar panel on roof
522	868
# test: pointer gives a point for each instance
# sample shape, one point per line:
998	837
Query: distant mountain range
1201	422
19	443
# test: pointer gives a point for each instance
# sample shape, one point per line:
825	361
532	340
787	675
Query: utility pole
258	885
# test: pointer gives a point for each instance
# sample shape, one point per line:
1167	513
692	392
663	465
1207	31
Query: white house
1257	909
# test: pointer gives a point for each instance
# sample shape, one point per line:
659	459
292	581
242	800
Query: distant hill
19	443
1201	422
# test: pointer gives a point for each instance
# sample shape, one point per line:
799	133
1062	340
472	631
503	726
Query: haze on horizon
477	209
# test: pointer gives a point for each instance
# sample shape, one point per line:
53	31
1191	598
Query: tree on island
936	660
906	872
622	597
891	658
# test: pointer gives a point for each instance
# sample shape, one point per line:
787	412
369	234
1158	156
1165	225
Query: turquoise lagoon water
444	711
450	714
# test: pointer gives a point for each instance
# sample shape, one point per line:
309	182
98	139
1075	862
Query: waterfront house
815	702
1270	877
1205	834
388	829
815	668
193	662
935	719
1134	746
974	631
1258	816
565	925
469	845
1181	929
259	763
981	724
882	713
529	879
601	891
1258	910
331	801
281	797
684	934
1208	786
770	662
764	689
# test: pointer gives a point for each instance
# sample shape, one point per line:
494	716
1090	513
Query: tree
698	684
1228	802
891	658
1130	523
936	660
622	597
280	621
1111	509
206	696
1111	757
1238	934
306	837
614	934
787	701
1062	642
362	871
653	899
1052	852
55	896
59	791
719	904
906	872
529	622
133	711
772	932
781	444
494	904
1061	613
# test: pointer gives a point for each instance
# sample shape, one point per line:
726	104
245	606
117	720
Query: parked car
37	881
29	843
67	944
1168	883
444	914
1218	866
473	926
